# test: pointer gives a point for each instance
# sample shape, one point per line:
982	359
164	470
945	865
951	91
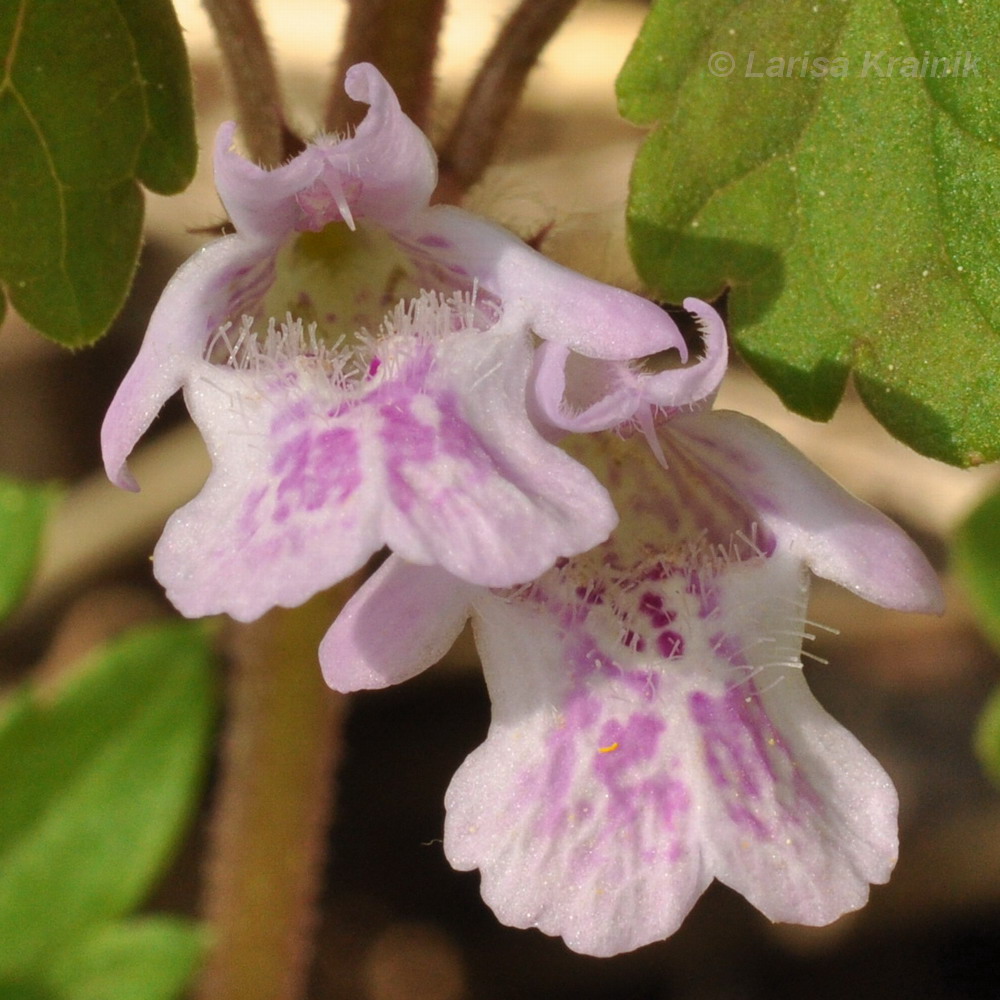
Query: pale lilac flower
652	729
360	366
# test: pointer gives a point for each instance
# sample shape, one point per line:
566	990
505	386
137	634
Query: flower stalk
400	37
280	755
253	81
495	92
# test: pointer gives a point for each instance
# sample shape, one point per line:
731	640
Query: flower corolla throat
408	337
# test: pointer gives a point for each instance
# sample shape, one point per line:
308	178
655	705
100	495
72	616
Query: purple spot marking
632	640
311	468
730	742
571	743
766	541
249	520
651	605
747	760
457	437
553	783
670	644
637	742
590	594
408	441
434	240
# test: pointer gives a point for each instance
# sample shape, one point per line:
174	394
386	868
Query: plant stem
275	805
400	37
494	93
253	81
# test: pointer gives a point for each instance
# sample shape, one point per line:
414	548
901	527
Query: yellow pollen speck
608	749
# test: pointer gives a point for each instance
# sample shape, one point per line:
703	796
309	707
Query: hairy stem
400	37
253	81
495	92
274	808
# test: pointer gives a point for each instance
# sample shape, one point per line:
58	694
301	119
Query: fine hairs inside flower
355	363
652	599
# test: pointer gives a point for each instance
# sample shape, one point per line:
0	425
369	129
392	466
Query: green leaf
976	561
987	737
95	97
24	509
849	202
149	959
95	787
152	958
21	990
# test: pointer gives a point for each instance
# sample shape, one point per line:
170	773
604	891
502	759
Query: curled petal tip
361	79
696	383
123	479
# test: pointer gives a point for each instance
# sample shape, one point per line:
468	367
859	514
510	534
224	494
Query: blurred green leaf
96	784
987	738
24	509
847	197
149	959
21	990
95	97
976	561
152	958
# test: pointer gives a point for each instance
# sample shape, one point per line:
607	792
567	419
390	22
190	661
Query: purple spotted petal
835	534
308	480
401	621
471	486
652	735
571	809
799	817
289	508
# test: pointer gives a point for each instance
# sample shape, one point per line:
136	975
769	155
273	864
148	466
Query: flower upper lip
383	175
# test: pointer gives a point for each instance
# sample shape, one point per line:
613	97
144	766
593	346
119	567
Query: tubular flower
651	725
360	365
